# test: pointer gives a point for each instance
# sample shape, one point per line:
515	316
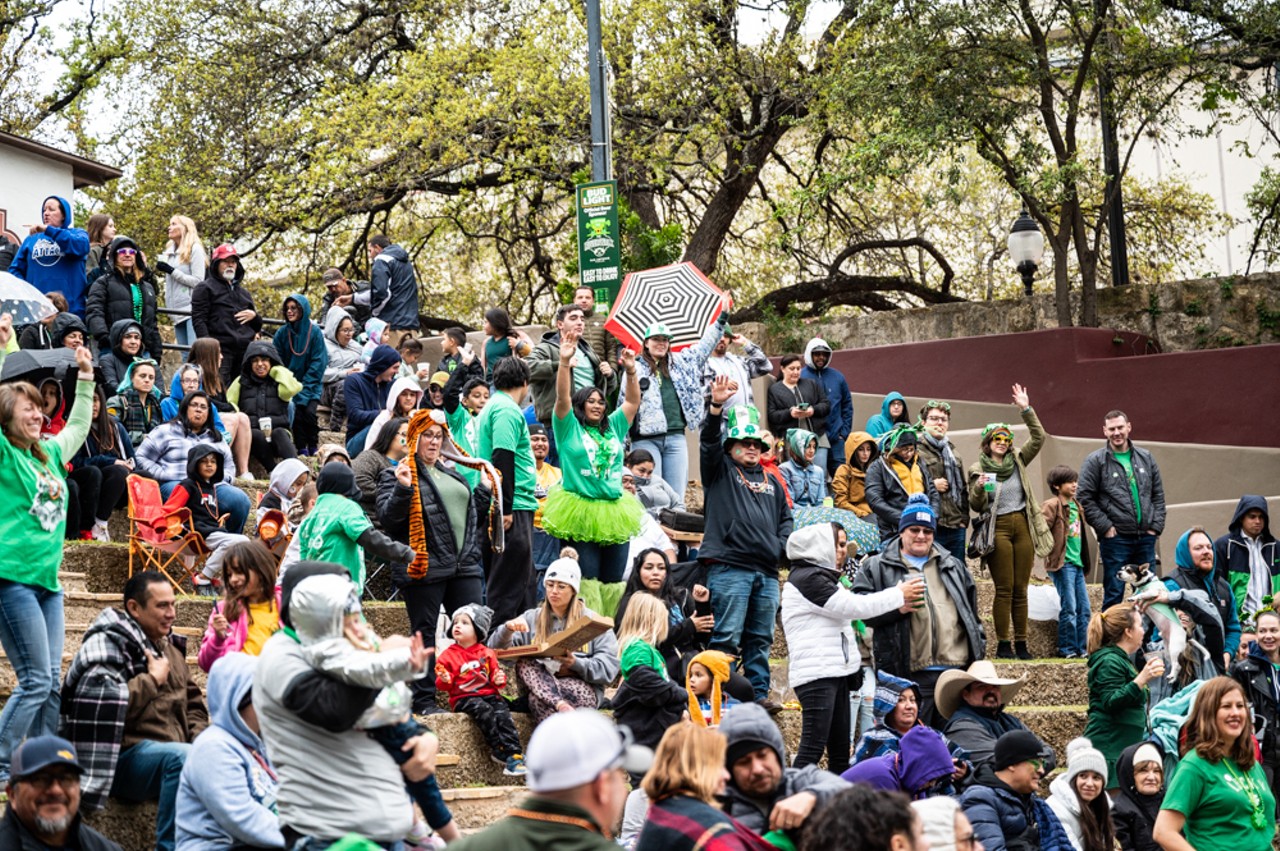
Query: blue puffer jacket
393	291
685	368
227	794
302	349
1006	821
365	397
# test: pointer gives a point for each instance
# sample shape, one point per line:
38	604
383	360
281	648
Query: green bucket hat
657	329
744	424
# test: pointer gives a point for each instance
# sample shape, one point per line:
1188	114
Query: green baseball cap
657	329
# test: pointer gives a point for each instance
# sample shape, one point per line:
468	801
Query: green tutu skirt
568	516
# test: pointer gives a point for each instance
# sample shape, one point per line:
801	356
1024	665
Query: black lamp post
1026	248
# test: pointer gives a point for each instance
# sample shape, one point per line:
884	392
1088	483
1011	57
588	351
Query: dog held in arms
1147	586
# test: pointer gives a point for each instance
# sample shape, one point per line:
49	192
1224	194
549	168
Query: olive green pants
1010	564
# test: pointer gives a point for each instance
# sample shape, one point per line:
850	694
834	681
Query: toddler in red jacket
469	673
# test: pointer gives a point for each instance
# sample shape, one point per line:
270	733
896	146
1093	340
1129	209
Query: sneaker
515	766
205	587
246	476
86	535
770	705
99	531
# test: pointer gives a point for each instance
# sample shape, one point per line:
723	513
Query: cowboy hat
947	692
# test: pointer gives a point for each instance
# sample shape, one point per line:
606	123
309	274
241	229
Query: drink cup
264	424
989	482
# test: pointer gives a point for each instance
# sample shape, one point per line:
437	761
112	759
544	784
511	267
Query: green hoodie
33	503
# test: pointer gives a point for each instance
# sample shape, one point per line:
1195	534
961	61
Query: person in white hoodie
402	401
817	612
1078	798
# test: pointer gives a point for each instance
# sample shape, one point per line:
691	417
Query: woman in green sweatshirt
1117	690
33	516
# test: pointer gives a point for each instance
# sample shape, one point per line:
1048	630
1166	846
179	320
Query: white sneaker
246	476
99	531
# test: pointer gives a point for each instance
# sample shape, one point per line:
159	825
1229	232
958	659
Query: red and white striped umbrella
677	296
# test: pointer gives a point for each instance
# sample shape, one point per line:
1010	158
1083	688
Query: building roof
84	171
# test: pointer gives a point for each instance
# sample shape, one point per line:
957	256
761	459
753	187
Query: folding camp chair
273	532
159	539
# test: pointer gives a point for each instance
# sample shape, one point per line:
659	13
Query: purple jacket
923	759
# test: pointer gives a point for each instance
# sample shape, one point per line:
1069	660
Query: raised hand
722	390
1020	396
627	359
84	358
404	475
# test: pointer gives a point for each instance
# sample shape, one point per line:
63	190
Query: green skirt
571	517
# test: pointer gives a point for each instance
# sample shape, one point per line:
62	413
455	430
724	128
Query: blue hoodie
302	349
169	405
365	397
227	795
840	418
878	424
1213	583
54	260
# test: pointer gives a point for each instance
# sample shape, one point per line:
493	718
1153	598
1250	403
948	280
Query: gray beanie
481	617
938	821
1083	756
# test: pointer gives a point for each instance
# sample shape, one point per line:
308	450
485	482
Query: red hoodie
468	672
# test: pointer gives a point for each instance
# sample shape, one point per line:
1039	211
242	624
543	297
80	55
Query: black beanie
339	478
1017	746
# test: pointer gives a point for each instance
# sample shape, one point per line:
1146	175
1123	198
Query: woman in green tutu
589	510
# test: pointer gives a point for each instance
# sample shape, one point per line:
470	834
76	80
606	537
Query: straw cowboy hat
947	692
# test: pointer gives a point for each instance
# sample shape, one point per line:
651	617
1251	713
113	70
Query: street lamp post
1026	248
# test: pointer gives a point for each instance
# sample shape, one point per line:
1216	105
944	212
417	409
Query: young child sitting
293	553
339	531
647	701
706	679
411	364
250	612
137	401
198	493
469	673
1064	563
348	650
288	478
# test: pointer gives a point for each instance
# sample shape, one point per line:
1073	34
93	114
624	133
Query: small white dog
1146	585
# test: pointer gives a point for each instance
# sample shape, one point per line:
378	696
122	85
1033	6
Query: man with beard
973	701
44	801
604	344
739	369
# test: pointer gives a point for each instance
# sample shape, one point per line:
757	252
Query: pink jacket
213	648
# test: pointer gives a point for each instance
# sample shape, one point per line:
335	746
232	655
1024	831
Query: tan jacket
849	484
1041	538
1055	517
174	712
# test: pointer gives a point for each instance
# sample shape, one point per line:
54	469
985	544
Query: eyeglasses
967	841
65	779
126	252
1038	763
937	418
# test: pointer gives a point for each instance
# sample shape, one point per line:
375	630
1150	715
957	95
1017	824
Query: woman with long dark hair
1219	798
108	449
387	451
589	510
1078	797
33	517
206	353
795	402
691	620
502	340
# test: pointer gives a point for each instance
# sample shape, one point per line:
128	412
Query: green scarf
1003	469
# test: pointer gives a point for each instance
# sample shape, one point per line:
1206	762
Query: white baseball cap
573	748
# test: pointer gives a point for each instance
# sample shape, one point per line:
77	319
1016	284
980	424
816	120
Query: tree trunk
1061	242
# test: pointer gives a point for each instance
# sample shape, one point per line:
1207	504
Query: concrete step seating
1053	701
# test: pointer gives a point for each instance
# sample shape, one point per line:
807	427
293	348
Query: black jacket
892	631
976	730
781	400
202	495
887	497
682	638
110	299
260	397
1134	815
393	289
112	359
748	529
444	561
14	836
1261	684
1105	496
648	705
214	305
40	336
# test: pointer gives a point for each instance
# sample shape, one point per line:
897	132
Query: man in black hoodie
744	539
393	290
1248	556
221	308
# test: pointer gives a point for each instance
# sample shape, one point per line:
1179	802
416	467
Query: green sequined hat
744	424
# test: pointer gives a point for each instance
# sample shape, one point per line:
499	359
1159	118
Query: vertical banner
599	240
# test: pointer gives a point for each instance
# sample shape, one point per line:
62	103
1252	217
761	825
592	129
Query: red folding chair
273	532
159	539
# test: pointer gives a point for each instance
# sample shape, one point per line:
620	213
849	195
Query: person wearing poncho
589	510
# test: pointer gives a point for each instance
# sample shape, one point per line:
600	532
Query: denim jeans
1073	619
32	633
670	458
150	771
605	562
231	500
745	605
951	540
820	461
1118	551
425	792
824	724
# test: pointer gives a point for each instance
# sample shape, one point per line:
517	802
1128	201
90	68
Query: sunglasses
126	252
934	403
1002	439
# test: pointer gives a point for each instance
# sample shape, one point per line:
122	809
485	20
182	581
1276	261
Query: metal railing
186	314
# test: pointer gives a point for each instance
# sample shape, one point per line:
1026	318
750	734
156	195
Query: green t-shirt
670	404
591	461
502	426
640	652
1214	798
1126	461
455	497
330	531
1072	553
583	374
463	428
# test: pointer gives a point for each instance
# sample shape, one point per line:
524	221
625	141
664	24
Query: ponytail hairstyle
1107	628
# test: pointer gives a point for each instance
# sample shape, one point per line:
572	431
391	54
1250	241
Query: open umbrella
26	304
678	296
35	365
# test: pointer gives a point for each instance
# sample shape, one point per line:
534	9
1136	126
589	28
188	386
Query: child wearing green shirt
647	701
1066	561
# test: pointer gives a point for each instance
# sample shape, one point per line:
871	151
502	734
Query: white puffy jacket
817	611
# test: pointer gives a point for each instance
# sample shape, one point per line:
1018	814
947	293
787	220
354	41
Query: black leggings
268	452
824	723
306	426
83	486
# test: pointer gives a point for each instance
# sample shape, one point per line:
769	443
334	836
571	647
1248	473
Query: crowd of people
525	490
